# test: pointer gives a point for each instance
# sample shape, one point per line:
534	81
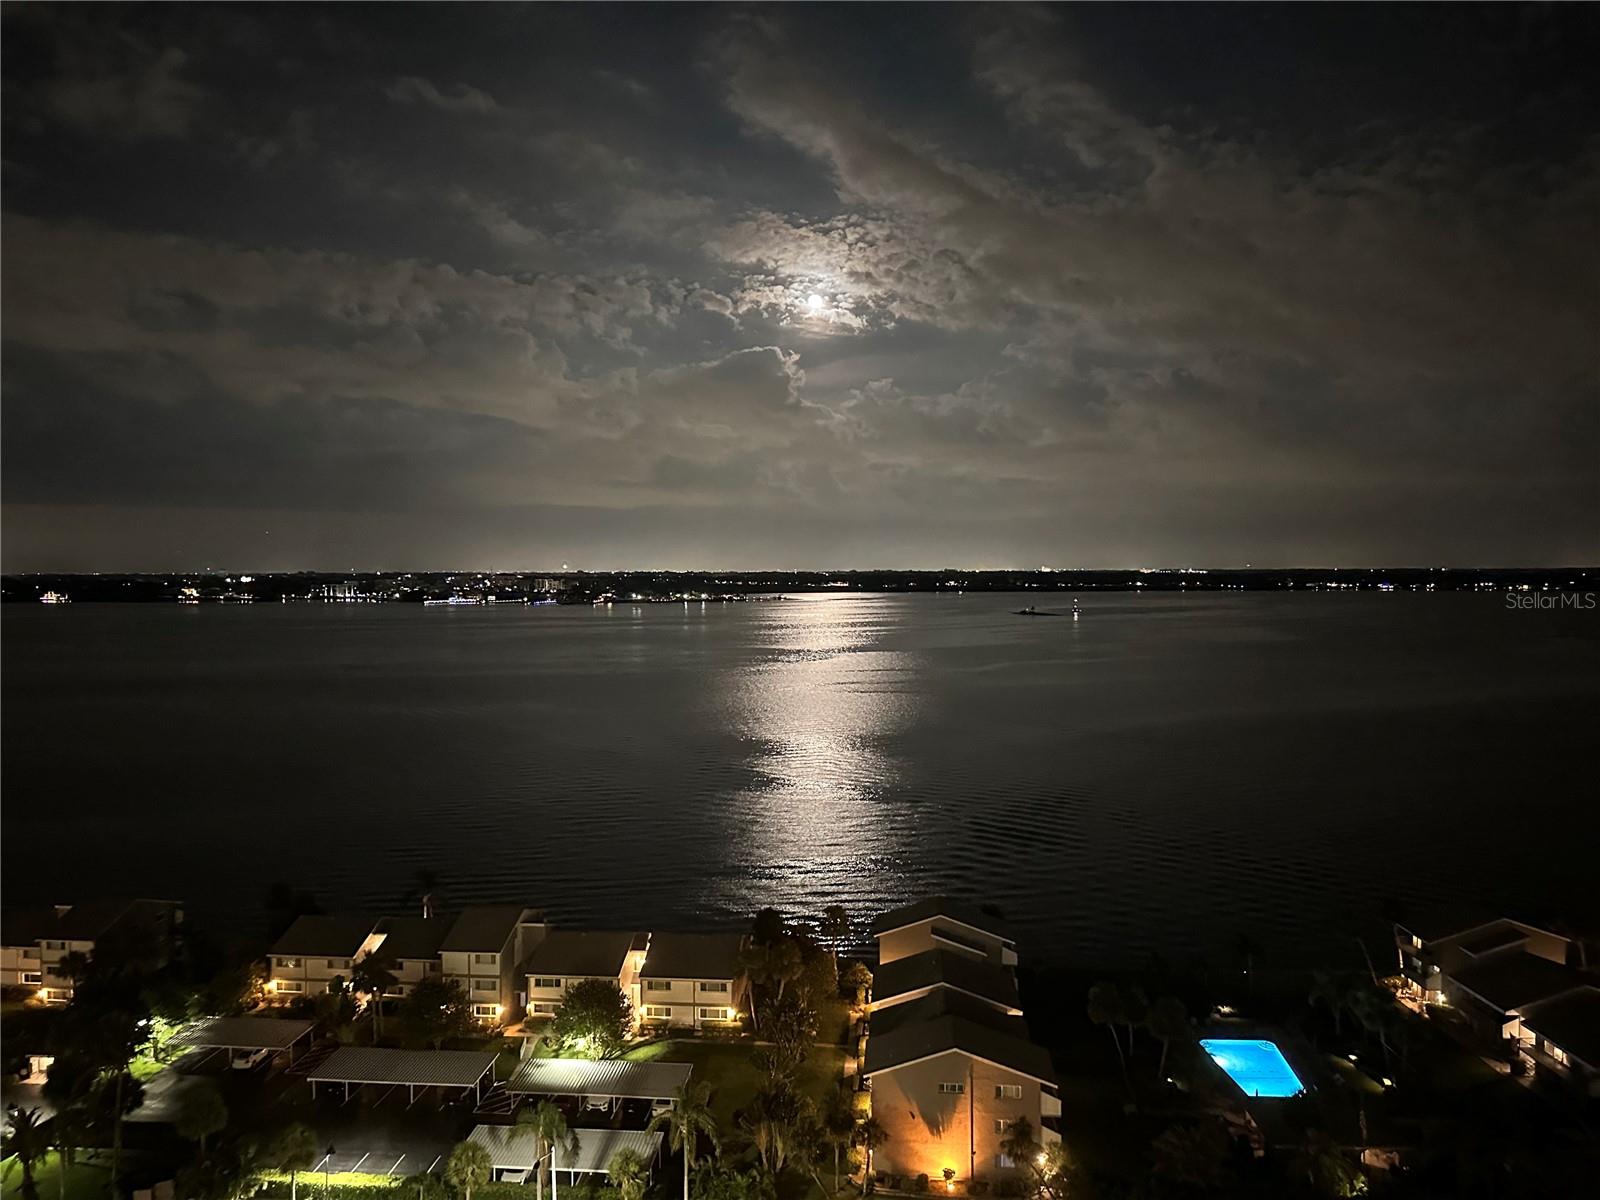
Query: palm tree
1019	1144
72	966
755	961
858	979
111	1040
1105	1007
201	1113
773	1117
838	1123
374	975
26	1138
1328	989
1135	1007
1370	1007
549	1125
468	1166
424	890
1167	1020
787	964
293	1150
68	1129
869	1136
628	1174
686	1121
808	1142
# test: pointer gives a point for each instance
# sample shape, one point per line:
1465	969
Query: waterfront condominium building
567	957
693	980
483	951
411	947
949	1063
34	942
1430	949
315	951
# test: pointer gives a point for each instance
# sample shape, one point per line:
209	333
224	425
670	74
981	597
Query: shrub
978	1187
595	1020
920	1184
278	1189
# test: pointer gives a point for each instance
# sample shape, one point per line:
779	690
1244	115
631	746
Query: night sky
491	286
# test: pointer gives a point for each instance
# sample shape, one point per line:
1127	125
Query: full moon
814	302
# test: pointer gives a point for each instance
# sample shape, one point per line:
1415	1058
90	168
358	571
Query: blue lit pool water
1259	1068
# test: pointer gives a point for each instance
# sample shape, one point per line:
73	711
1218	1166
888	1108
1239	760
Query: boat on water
1030	611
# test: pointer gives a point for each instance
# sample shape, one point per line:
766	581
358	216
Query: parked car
246	1060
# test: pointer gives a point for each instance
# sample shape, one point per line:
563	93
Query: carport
462	1070
514	1150
614	1077
597	1147
252	1034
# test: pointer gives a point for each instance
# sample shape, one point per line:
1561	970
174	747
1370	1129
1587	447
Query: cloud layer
788	288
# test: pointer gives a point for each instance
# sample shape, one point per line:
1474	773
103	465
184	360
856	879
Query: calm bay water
1166	773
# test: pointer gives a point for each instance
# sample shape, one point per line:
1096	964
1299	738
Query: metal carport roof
417	1068
597	1147
510	1147
241	1033
609	1077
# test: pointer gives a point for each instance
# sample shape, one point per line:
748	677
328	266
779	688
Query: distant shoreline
576	587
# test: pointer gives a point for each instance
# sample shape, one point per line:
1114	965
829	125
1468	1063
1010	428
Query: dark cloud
1000	286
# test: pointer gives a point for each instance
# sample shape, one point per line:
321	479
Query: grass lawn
144	1068
730	1069
85	1181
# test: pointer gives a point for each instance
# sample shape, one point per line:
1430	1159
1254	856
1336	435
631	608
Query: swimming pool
1259	1068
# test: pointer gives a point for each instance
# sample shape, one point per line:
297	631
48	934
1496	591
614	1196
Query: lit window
1004	1162
552	982
485	958
953	1089
1008	1091
658	985
717	986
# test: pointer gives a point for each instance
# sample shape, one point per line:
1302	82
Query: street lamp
327	1165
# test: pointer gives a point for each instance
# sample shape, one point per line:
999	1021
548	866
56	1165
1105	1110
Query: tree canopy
436	1009
595	1020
